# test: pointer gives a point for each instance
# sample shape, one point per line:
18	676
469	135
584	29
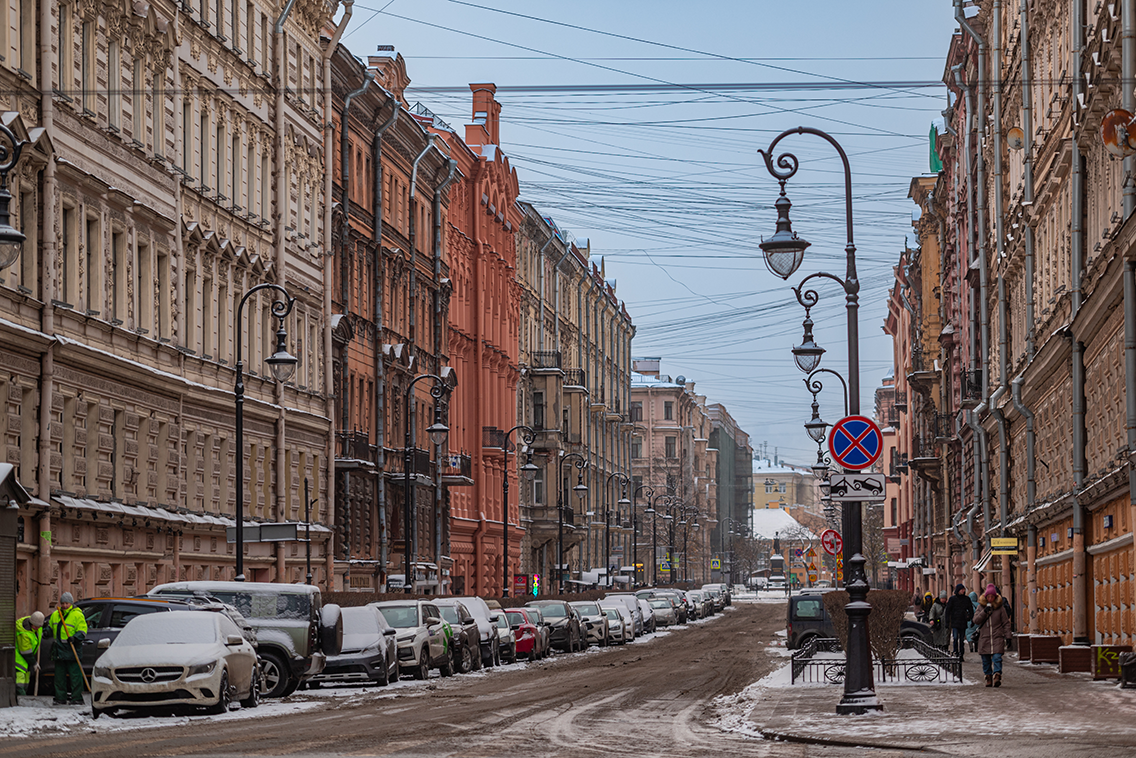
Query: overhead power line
642	87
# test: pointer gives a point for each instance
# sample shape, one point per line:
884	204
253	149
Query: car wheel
513	654
447	666
277	679
224	697
475	655
497	656
384	675
422	671
253	699
96	712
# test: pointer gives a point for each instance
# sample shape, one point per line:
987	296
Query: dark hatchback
808	619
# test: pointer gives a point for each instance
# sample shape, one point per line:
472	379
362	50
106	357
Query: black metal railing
457	465
822	661
546	359
892	417
944	426
422	464
575	377
491	436
923	445
972	384
900	403
355	445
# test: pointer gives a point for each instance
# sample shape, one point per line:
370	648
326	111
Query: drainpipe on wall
44	584
1127	85
1077	189
984	499
379	272
439	349
1027	175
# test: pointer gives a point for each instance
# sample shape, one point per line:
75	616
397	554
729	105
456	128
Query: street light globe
816	426
581	489
808	353
623	502
11	243
529	469
438	432
784	251
282	363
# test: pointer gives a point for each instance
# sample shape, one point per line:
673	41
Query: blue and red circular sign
855	442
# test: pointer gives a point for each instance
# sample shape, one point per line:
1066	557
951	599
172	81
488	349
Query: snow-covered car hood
161	655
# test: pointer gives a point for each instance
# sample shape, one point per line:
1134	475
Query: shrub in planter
888	607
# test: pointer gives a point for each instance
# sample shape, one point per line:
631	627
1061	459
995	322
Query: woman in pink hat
993	622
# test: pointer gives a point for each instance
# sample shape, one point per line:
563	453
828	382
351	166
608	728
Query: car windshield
553	611
174	628
450	614
359	621
401	616
516	617
612	613
660	604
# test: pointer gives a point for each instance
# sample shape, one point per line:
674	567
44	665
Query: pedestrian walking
940	632
993	621
972	628
68	629
959	613
29	636
925	607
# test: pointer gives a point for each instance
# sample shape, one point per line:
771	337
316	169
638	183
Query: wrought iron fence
421	462
924	663
457	465
355	445
972	384
575	377
546	359
900	403
491	436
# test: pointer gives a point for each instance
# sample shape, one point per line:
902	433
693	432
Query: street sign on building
855	442
857	488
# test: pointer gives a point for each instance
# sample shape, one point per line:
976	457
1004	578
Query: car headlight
102	671
202	668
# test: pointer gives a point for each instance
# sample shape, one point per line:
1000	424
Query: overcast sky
659	169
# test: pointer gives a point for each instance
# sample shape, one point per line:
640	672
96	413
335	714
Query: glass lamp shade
667	517
529	470
581	490
820	469
816	428
623	502
10	247
282	363
438	432
825	488
649	510
784	251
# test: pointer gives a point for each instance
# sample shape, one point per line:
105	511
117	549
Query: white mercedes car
180	658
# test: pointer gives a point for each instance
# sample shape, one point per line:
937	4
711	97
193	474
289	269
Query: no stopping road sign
855	442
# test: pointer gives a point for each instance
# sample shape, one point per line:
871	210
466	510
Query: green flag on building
936	164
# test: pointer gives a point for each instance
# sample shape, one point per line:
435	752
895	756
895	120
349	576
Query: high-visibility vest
27	643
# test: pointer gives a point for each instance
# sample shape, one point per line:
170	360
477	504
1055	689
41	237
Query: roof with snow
645	380
769	522
766	467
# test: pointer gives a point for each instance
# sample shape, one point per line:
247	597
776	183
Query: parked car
506	639
715	596
565	624
526	625
632	603
595	623
808	619
487	626
624	614
545	627
701	604
465	637
737	589
296	631
421	636
677	599
180	658
370	651
649	626
618	629
665	614
108	616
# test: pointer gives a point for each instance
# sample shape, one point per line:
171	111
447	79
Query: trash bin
1128	671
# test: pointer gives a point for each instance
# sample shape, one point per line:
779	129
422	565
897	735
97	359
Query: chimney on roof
646	366
486	115
389	72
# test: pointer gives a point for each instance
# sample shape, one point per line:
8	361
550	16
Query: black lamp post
784	253
528	471
282	364
623	480
649	492
665	499
581	490
11	238
438	433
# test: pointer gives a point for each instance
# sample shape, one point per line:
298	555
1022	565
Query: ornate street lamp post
649	492
581	490
624	481
11	239
528	471
438	433
784	253
666	498
282	364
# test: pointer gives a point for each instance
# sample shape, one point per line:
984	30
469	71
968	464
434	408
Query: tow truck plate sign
861	488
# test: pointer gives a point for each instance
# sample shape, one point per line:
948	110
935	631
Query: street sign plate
1004	552
812	577
797	552
812	553
831	541
861	488
855	442
997	542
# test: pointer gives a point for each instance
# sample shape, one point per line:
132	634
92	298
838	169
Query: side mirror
515	627
494	618
103	644
433	620
390	632
233	640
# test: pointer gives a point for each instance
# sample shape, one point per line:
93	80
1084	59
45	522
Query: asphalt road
647	699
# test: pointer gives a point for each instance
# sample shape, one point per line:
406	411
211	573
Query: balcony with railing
421	467
575	380
925	445
971	390
457	470
354	446
546	359
900	403
493	437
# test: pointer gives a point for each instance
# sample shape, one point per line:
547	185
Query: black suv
809	619
465	645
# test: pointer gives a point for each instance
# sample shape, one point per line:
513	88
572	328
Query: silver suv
295	630
422	636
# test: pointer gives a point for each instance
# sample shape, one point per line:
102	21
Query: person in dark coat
940	632
959	612
993	621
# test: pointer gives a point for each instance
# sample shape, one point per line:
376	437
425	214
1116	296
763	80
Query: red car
527	628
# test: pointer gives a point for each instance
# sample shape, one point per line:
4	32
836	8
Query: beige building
176	161
672	458
575	355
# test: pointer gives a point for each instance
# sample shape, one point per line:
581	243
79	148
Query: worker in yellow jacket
29	635
68	627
